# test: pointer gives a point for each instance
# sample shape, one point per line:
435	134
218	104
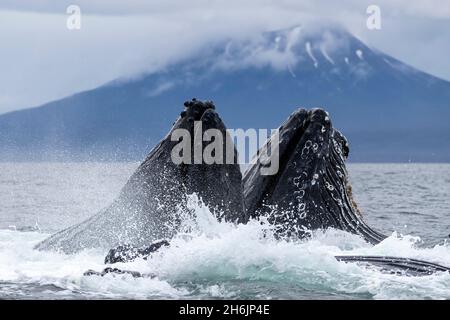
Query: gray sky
41	60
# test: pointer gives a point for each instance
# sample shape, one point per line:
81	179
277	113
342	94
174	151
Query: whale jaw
311	190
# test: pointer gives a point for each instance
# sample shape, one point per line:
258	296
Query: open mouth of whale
311	189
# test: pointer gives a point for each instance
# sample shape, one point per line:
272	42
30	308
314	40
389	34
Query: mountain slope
389	111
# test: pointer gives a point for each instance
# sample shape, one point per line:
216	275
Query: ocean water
410	202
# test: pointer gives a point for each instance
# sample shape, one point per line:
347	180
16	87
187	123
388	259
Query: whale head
151	204
311	190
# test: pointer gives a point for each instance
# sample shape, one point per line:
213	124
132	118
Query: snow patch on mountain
325	54
310	54
359	54
160	88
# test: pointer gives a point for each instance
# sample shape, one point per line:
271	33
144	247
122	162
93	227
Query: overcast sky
41	60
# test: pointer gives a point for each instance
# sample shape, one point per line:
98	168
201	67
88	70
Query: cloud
260	51
42	60
418	8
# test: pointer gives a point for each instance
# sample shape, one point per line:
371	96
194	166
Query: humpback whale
310	191
149	205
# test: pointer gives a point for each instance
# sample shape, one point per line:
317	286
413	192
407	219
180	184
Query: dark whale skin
311	190
396	265
148	206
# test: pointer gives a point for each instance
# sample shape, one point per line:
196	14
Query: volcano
389	111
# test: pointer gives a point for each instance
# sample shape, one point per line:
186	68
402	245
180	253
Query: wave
213	259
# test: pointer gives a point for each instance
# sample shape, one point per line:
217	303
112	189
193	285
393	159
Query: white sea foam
219	259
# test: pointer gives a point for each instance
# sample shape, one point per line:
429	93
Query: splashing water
222	260
217	259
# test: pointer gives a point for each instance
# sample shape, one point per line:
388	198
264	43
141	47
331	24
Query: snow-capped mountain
388	110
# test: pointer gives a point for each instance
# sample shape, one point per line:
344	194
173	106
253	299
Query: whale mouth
311	189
